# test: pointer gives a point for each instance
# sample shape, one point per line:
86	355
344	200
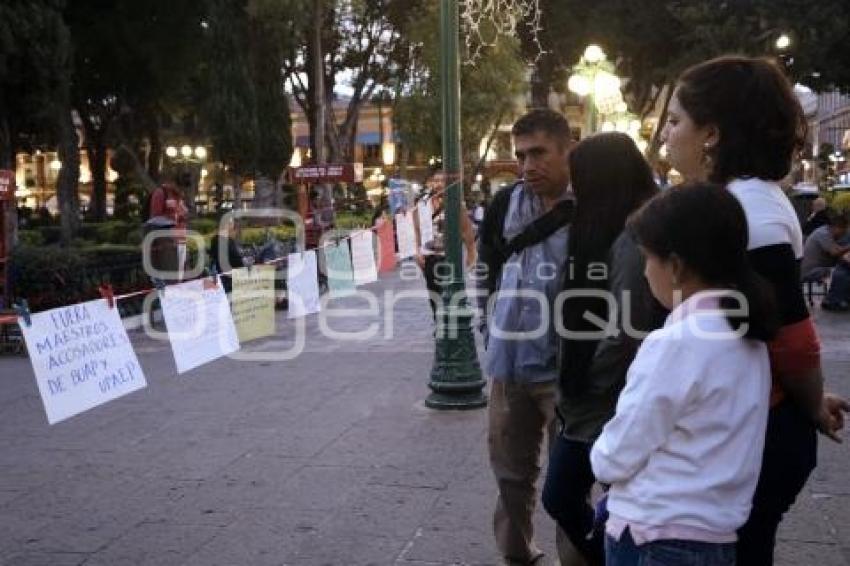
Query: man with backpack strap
523	254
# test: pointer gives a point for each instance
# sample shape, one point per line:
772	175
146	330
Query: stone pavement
326	459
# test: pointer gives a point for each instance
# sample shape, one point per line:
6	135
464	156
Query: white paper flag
302	284
426	222
405	233
82	358
363	257
200	326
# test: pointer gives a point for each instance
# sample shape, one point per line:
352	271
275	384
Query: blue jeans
625	552
568	483
839	286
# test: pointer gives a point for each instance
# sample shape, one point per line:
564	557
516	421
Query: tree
246	110
133	62
364	45
35	53
489	89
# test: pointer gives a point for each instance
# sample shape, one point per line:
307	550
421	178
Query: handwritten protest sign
339	271
252	302
405	234
200	326
426	222
386	247
81	357
363	257
302	284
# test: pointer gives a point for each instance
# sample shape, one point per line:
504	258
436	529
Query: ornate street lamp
594	77
456	379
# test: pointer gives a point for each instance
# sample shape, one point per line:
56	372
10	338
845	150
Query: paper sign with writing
386	247
82	358
339	271
405	234
252	302
200	326
363	257
302	284
426	222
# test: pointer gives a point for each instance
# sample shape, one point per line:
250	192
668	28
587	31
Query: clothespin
212	281
159	285
23	310
107	293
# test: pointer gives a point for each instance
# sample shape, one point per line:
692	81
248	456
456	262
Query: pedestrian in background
167	211
683	451
610	179
736	121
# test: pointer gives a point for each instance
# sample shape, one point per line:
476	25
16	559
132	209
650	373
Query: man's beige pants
520	414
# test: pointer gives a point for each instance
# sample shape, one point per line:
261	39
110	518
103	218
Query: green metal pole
456	380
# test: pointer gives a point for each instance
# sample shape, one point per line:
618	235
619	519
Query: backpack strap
560	215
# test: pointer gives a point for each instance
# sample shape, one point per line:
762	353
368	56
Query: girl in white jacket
683	452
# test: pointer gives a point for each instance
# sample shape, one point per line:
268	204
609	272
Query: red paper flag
386	246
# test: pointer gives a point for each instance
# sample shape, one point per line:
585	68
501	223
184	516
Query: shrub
841	202
30	238
204	225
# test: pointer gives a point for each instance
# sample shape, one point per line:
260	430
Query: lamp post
593	77
456	380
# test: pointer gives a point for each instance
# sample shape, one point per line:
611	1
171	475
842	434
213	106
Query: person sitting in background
822	249
225	253
817	218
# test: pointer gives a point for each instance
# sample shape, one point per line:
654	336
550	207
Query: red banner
332	173
7	185
386	246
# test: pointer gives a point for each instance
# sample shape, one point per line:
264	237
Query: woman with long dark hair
735	121
610	179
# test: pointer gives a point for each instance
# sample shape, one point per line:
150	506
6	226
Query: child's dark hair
705	226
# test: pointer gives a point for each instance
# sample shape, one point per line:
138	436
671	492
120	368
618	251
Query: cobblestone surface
329	458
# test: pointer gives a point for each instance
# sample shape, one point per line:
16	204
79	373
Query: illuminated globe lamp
593	77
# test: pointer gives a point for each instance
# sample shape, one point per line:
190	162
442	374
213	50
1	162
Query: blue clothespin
23	310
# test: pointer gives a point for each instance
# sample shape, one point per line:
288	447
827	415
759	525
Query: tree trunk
155	155
264	189
10	214
97	160
541	83
69	176
237	192
655	142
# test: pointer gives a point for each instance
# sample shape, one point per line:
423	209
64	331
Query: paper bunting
81	357
302	284
252	302
426	222
386	247
200	326
363	257
406	234
339	271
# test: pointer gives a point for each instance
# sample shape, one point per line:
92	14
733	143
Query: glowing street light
594	77
783	42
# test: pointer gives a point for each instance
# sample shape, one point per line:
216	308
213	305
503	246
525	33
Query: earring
675	281
707	162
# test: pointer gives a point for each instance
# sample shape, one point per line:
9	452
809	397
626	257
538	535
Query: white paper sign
302	284
363	257
426	222
82	358
406	235
200	326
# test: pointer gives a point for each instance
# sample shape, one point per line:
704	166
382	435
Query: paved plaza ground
327	459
